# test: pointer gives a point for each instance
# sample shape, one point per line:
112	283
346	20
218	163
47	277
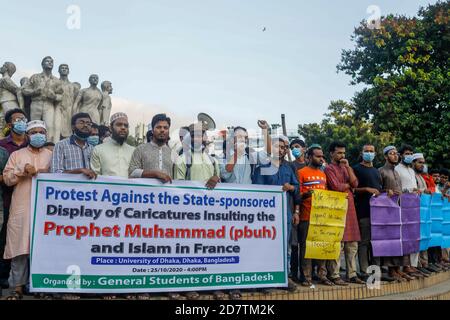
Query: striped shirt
68	155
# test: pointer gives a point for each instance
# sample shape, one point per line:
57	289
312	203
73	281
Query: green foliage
404	65
344	125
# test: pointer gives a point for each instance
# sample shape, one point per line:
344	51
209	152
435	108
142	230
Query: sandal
69	296
15	295
43	296
306	283
326	282
235	295
175	296
192	295
219	295
143	296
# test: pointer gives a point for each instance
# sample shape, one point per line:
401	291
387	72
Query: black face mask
81	135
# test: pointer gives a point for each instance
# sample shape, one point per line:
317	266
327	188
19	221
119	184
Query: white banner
138	235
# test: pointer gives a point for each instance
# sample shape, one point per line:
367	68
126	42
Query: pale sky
185	57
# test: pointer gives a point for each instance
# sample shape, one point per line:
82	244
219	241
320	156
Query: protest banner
445	224
326	224
410	213
425	221
114	235
395	228
436	220
386	222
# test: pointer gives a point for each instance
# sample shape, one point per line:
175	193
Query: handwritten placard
326	225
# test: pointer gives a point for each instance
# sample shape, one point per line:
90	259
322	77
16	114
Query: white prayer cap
276	137
118	115
418	156
36	124
388	148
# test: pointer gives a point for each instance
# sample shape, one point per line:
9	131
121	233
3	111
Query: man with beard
154	159
409	185
425	267
112	158
278	172
342	178
195	164
311	178
73	154
392	185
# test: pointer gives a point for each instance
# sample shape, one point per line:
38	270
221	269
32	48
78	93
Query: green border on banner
144	282
35	277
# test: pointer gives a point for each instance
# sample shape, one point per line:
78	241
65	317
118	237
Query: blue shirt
270	175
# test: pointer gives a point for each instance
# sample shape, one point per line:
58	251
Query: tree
404	65
344	125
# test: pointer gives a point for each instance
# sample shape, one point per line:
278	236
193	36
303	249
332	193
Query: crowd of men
92	151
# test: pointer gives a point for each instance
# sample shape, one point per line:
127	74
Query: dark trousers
434	254
5	265
295	265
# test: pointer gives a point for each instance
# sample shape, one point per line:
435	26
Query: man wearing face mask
369	185
279	173
117	166
21	167
94	138
418	166
298	149
196	164
73	154
409	185
240	163
16	123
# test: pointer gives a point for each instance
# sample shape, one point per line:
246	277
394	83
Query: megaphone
206	119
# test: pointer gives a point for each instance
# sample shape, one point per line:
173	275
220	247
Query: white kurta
111	159
18	229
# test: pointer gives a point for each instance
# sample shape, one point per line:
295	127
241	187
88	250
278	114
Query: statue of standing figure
8	89
45	92
64	107
26	99
105	110
89	100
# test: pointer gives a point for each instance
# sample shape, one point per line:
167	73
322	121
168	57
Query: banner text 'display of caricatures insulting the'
138	235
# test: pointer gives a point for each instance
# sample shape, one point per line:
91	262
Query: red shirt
310	179
431	186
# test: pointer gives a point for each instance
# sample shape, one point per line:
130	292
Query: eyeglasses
84	123
21	119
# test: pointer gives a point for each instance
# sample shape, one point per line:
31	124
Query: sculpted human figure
45	92
106	106
89	100
8	89
26	99
64	108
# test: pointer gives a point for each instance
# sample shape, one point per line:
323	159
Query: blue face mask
368	156
37	140
93	140
297	153
20	127
425	168
408	159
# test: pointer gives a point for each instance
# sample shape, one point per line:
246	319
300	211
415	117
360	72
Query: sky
184	57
